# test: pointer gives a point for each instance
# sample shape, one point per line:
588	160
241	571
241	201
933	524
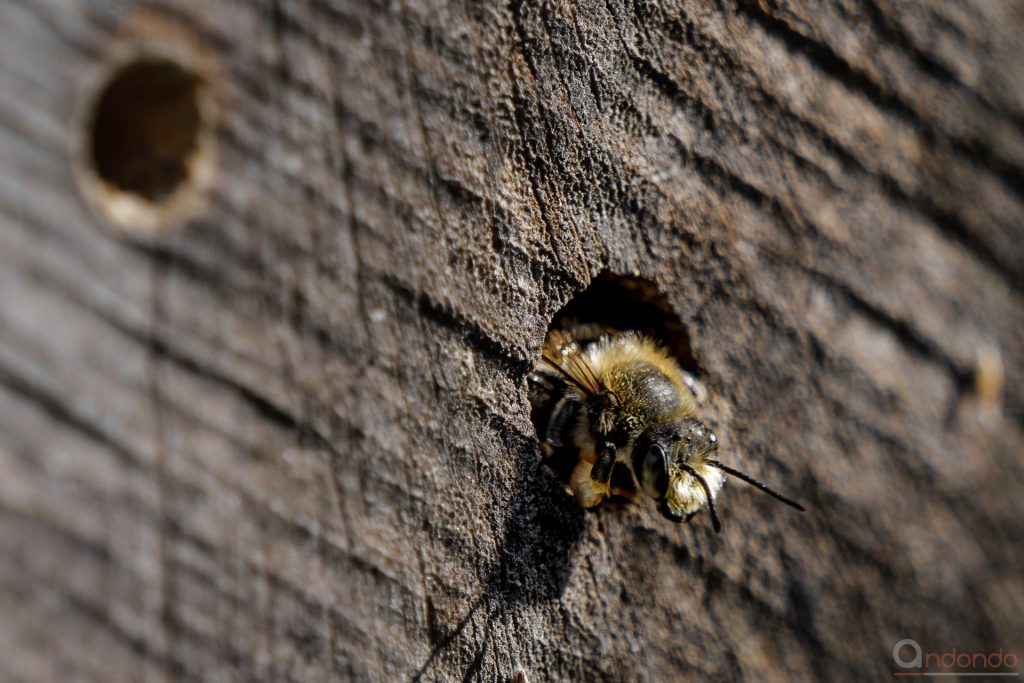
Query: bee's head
676	463
669	459
664	449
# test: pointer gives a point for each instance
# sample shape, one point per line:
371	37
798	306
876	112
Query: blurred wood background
288	438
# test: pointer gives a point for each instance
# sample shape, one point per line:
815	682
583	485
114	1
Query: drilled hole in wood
611	303
624	303
149	147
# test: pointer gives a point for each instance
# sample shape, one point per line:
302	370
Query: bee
603	400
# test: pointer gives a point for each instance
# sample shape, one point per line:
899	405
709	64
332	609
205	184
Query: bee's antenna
707	490
757	484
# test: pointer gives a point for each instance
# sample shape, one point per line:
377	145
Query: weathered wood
290	439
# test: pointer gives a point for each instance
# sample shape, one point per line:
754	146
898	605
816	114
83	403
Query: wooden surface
290	440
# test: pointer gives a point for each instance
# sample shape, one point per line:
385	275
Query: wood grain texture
290	440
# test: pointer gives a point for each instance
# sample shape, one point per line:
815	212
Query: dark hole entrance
618	303
146	128
626	303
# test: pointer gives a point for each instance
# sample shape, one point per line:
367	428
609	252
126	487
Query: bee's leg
588	492
696	387
601	472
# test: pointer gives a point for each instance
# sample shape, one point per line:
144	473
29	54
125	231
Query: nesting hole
146	128
620	303
149	142
625	303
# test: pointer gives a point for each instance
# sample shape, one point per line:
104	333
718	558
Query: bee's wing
563	354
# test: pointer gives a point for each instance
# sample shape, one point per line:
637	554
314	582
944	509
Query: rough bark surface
290	439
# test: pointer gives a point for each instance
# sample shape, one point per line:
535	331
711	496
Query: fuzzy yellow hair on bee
620	399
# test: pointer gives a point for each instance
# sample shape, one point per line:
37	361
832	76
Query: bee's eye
654	473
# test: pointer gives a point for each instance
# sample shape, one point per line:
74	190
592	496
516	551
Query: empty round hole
146	128
149	142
